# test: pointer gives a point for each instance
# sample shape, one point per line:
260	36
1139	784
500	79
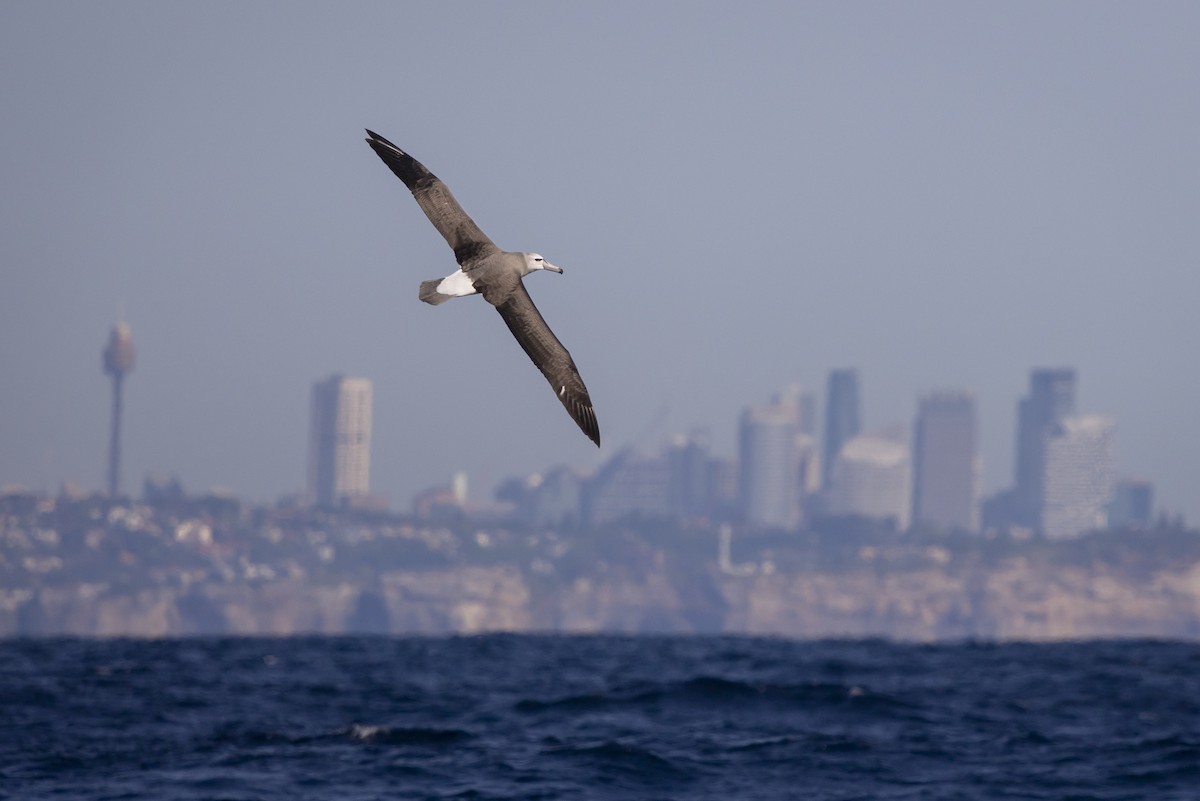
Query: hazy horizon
941	196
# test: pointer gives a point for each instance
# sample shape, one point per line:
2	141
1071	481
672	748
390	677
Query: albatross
496	274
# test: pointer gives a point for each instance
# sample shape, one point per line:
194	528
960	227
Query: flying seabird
497	275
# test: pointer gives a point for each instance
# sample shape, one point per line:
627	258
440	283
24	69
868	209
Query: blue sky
943	195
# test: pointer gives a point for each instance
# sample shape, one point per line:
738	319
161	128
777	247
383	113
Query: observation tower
118	360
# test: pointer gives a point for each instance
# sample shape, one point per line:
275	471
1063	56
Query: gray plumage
497	275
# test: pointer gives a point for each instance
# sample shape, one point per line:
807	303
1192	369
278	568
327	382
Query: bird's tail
430	294
454	285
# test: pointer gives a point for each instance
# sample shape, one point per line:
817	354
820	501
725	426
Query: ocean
596	717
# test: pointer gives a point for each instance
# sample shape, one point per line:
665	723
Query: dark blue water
531	717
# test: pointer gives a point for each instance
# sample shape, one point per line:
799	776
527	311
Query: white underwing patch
456	284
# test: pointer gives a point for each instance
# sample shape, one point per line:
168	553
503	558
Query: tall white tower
339	456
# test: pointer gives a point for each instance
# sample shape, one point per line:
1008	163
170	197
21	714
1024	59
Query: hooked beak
552	267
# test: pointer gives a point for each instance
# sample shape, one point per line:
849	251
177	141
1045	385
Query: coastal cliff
214	567
1013	601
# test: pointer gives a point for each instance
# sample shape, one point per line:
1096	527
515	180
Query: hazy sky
943	195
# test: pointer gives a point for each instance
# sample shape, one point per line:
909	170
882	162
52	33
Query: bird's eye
538	258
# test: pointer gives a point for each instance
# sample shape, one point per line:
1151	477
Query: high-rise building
770	461
1132	504
805	404
841	417
339	463
118	361
1078	476
687	462
721	488
946	464
549	499
1051	398
629	485
871	478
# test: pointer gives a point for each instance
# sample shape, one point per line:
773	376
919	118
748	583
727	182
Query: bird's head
534	261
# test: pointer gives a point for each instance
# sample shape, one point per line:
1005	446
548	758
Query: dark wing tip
389	152
593	429
585	417
405	167
373	138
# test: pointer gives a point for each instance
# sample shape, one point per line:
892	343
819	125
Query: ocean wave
405	735
711	691
613	757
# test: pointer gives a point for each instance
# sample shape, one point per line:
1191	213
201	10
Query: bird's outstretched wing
461	232
556	364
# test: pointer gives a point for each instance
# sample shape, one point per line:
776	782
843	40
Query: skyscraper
771	478
841	417
1078	476
946	466
1132	504
687	461
118	360
630	484
1051	398
871	478
339	463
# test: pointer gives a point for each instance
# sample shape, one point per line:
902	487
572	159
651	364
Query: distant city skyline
927	477
1065	480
